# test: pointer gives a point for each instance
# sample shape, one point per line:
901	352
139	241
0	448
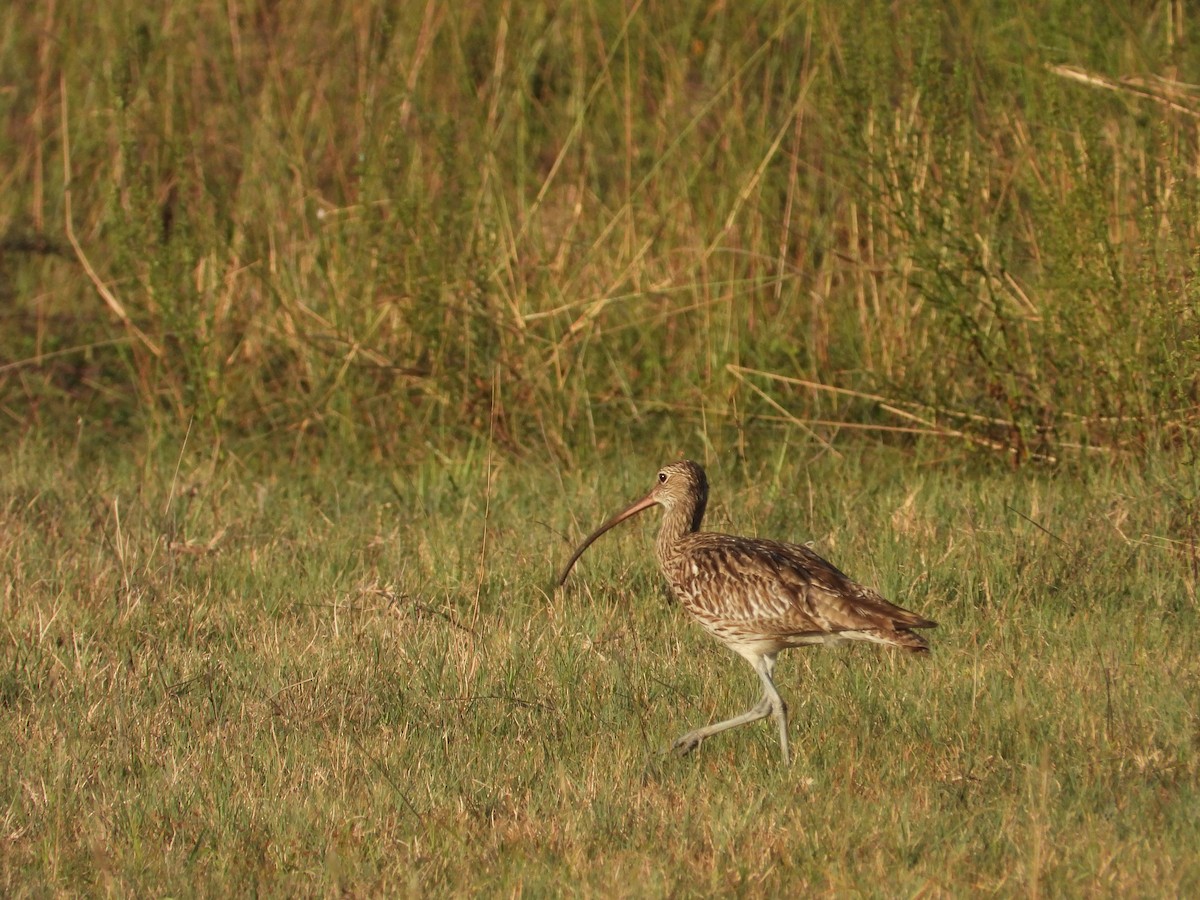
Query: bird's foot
686	744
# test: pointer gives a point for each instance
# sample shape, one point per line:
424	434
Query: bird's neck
677	524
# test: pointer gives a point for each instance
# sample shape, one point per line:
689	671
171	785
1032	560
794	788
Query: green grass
360	223
327	328
237	680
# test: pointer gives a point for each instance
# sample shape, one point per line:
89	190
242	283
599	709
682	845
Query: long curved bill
645	503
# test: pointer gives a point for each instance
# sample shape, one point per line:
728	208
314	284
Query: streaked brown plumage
757	596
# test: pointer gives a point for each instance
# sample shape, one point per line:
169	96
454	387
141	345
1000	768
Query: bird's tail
909	640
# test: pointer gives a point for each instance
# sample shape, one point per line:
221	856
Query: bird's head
678	486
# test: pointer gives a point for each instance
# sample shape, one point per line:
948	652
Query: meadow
329	329
283	683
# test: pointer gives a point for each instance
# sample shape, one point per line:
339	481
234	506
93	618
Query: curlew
757	597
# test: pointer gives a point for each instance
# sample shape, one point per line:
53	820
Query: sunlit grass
337	680
393	228
357	316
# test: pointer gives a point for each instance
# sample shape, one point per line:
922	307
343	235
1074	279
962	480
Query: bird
756	596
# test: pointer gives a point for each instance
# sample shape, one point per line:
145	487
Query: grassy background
328	328
257	682
390	225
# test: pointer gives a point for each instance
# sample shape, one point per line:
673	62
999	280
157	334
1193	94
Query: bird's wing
788	589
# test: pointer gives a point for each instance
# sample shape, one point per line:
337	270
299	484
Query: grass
356	223
326	329
223	680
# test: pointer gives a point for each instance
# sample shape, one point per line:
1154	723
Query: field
329	329
306	683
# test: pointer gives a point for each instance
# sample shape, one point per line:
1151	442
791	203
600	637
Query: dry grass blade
1160	90
892	407
110	299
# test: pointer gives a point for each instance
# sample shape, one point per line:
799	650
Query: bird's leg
765	666
770	704
692	739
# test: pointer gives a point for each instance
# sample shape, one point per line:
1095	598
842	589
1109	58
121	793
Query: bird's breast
723	603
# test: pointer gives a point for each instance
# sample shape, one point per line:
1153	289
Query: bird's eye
662	477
